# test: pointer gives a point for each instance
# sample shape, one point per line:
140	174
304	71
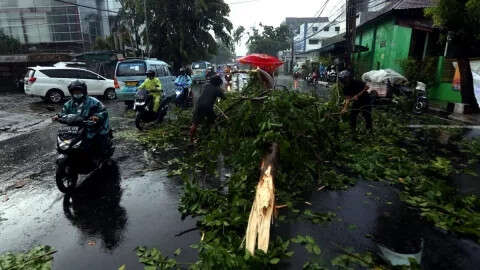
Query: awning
16	58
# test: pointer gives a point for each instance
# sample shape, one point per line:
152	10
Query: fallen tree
315	151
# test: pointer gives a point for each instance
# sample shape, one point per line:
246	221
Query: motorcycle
183	95
421	100
312	78
75	155
228	79
332	76
143	106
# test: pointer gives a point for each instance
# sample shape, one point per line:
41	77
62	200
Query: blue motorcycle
183	95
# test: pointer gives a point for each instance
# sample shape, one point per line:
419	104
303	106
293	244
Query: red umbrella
263	61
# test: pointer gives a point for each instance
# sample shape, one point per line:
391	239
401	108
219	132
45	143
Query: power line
80	5
334	21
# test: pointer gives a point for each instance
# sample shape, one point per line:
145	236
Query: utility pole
292	61
351	14
147	43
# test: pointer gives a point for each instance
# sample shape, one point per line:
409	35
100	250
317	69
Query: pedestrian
296	76
355	92
204	107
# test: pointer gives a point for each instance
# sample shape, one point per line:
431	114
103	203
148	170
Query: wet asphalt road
101	226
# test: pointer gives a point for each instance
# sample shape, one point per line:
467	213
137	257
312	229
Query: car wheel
54	96
110	94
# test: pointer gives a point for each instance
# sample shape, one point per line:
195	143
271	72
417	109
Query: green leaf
274	261
177	252
123	267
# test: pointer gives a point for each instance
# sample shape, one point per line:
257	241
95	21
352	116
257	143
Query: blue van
199	70
130	74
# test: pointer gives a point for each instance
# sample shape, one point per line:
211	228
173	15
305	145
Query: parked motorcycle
421	101
183	95
143	107
332	76
76	156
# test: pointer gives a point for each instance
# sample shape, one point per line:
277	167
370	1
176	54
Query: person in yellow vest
153	85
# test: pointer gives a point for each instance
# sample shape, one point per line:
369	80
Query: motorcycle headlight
64	144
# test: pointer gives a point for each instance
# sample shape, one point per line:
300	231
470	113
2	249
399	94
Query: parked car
130	74
51	83
200	70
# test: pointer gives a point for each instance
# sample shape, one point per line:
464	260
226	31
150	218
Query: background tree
224	54
180	31
462	18
104	44
9	45
270	40
132	16
238	34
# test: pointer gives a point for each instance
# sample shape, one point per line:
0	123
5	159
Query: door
95	83
57	79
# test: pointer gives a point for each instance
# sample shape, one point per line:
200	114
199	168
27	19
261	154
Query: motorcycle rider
228	77
153	85
210	73
185	80
90	108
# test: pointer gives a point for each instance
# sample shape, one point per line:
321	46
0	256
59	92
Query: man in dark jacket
204	106
355	92
92	109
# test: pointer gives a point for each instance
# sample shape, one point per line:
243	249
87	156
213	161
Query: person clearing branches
355	92
204	106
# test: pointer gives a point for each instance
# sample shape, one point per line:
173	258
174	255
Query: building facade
310	35
56	26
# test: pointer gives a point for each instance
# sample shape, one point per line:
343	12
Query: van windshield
131	69
199	66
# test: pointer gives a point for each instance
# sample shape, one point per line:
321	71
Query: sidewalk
471	119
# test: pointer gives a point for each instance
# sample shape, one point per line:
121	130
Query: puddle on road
99	228
370	213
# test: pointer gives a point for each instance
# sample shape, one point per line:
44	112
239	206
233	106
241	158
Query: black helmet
78	85
344	75
150	73
216	80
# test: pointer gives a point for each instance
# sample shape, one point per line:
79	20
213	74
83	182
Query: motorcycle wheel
419	107
66	183
138	121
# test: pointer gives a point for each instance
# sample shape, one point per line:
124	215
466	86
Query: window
337	28
131	69
315	29
84	75
326	28
167	71
199	65
57	73
313	41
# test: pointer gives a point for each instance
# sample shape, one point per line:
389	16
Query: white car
51	83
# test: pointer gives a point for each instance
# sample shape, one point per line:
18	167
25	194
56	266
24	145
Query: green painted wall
391	45
444	91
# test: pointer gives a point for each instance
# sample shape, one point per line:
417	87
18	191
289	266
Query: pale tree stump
261	215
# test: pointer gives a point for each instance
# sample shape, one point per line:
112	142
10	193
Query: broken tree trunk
258	229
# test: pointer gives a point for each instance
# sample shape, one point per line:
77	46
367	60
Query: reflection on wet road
112	213
101	225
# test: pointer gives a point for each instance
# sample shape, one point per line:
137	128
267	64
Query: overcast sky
273	12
